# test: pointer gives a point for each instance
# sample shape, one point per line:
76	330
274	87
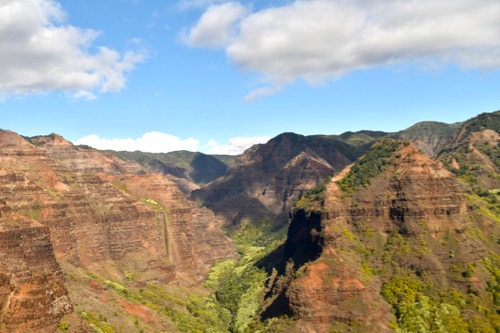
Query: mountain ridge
394	232
377	221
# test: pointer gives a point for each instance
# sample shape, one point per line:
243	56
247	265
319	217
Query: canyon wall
73	205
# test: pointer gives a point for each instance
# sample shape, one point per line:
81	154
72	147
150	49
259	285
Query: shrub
63	326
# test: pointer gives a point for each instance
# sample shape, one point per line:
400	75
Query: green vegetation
116	286
261	236
180	159
487	202
370	165
63	326
470	169
313	197
228	160
421	304
435	135
419	307
241	292
272	325
493	266
32	213
402	289
189	310
490	150
230	302
239	285
484	121
469	160
97	322
36	140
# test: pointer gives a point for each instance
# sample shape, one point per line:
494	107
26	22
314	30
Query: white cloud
153	142
235	145
85	95
157	142
321	40
41	53
216	26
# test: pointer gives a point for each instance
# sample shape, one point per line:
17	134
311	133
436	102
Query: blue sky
218	76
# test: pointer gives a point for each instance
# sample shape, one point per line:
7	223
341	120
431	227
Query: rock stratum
70	207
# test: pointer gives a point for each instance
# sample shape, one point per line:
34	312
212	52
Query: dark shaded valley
359	232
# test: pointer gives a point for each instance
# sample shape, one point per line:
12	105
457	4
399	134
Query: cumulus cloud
157	142
216	26
40	53
322	40
153	142
235	145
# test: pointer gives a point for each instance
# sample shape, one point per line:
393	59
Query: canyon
328	233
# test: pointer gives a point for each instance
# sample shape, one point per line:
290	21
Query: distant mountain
474	154
267	179
429	136
361	138
197	168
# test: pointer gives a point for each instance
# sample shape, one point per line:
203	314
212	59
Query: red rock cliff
91	212
32	293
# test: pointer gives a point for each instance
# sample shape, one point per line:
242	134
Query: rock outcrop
33	297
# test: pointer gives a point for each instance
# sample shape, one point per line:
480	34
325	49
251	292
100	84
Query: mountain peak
53	139
9	139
